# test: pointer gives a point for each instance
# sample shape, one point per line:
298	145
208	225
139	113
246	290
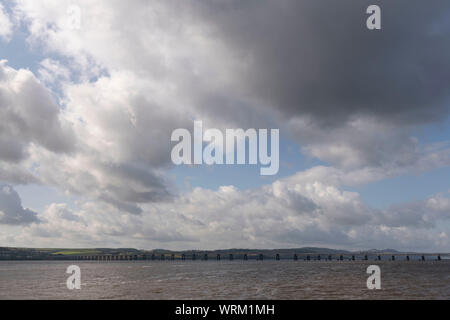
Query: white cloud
367	143
52	71
303	210
6	26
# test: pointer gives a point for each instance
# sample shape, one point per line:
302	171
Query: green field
74	252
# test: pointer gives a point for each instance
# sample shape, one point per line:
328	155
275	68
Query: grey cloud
11	210
29	115
122	206
317	58
127	185
11	150
234	62
153	184
419	214
361	142
16	174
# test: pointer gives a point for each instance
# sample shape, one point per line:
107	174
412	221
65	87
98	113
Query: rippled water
224	280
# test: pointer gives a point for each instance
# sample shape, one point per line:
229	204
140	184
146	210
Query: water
225	280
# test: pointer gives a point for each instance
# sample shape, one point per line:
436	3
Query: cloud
29	115
52	71
17	174
11	210
367	142
350	97
318	59
306	209
104	144
260	64
6	26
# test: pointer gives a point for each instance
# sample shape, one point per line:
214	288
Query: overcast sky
87	115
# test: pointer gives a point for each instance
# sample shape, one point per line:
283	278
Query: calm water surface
224	280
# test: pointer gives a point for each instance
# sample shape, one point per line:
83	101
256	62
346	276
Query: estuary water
225	280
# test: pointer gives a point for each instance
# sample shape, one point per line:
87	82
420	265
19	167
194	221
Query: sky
91	91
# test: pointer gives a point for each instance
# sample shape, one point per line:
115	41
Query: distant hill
7	253
381	251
